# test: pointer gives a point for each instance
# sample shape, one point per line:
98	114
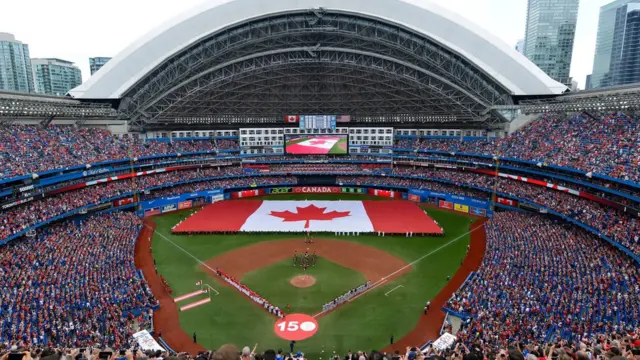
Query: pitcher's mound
303	281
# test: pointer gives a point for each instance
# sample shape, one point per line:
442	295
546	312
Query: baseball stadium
320	179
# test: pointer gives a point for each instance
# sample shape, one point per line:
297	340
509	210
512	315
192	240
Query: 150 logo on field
296	327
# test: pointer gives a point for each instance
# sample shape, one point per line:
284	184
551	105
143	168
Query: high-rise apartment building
95	63
520	46
15	65
617	57
55	76
549	35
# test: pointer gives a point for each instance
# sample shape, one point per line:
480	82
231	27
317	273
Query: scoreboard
318	122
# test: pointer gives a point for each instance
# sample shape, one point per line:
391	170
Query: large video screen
316	144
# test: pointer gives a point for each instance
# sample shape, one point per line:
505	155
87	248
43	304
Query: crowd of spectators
614	346
396	182
609	145
23	216
227	144
221	184
405	144
542	281
74	284
26	149
621	227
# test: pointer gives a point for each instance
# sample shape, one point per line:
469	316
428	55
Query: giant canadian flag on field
309	216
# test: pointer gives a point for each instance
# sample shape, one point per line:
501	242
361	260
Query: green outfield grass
366	323
332	280
337	150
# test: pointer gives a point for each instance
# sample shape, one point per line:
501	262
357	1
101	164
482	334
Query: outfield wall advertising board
169	208
351	190
445	204
185	204
459	203
280	190
317	190
386	193
156	206
247	193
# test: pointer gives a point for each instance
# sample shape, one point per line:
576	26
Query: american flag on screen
343	118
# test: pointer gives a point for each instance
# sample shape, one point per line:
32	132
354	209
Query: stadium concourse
194	113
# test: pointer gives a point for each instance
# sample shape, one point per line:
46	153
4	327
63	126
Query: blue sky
75	30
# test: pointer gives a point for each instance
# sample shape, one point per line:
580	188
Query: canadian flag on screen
291	118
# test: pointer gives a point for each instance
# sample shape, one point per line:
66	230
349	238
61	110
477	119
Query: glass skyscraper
15	65
95	63
551	28
55	76
617	58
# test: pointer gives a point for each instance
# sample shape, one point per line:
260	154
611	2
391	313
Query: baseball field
414	270
317	144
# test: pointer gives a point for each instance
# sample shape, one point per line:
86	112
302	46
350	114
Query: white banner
444	342
146	341
300	216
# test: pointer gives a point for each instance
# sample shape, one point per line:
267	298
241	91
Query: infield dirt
373	263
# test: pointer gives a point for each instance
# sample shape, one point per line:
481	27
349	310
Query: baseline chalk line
209	286
384	279
397	287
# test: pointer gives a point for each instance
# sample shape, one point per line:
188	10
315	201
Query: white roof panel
499	60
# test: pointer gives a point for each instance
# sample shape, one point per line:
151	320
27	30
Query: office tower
617	57
15	65
55	76
549	35
95	63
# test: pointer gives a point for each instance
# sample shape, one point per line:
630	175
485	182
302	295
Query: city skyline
54	76
96	63
114	30
616	60
549	36
15	65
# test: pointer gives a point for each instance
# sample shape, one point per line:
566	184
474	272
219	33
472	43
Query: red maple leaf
309	213
317	142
